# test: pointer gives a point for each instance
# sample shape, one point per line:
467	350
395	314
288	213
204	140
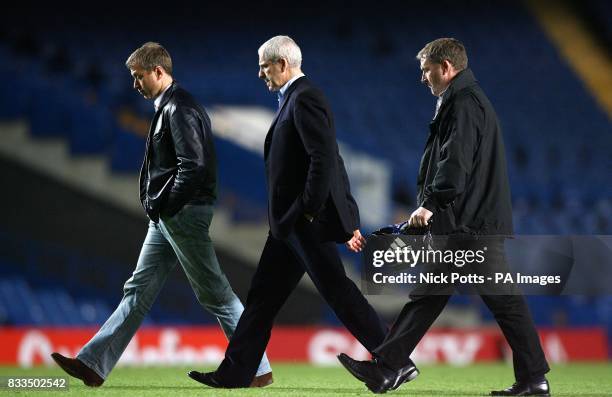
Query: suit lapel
270	133
268	140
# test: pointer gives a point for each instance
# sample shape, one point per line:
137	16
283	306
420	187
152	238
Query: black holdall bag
395	255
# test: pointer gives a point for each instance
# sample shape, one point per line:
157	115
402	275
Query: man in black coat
310	210
178	187
463	187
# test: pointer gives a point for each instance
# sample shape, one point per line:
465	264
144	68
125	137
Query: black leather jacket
180	165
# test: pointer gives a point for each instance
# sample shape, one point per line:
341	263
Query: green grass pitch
592	380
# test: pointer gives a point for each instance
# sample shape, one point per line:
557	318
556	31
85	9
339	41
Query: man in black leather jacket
177	190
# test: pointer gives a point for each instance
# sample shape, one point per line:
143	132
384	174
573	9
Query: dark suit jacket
304	170
179	166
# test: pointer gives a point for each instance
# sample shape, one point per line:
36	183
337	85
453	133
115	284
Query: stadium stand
557	138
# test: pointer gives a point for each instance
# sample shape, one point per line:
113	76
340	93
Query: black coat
180	165
304	170
463	178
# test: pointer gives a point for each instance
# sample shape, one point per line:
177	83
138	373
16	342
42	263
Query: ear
159	72
447	67
283	64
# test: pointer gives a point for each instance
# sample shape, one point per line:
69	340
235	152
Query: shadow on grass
155	387
281	391
365	391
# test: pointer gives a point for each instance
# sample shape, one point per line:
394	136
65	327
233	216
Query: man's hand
357	242
420	217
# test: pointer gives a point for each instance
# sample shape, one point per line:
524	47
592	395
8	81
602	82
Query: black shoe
377	377
207	378
525	389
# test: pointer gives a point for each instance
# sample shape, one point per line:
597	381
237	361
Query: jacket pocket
159	134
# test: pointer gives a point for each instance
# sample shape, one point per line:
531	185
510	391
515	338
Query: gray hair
281	47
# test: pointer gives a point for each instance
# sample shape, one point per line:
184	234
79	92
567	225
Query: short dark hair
445	48
148	56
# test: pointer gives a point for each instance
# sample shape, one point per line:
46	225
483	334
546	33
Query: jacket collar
299	81
165	98
462	80
167	95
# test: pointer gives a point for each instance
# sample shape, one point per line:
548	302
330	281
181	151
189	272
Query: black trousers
281	266
510	311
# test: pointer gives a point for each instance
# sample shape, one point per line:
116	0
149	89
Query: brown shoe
76	368
262	380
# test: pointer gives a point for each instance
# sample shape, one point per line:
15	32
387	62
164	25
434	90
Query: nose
136	85
423	78
261	74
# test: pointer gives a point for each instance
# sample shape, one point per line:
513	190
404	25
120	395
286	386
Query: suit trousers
510	311
281	266
184	238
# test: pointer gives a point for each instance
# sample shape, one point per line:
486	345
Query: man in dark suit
463	184
310	210
178	187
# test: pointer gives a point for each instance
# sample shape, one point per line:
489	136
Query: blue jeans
184	237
